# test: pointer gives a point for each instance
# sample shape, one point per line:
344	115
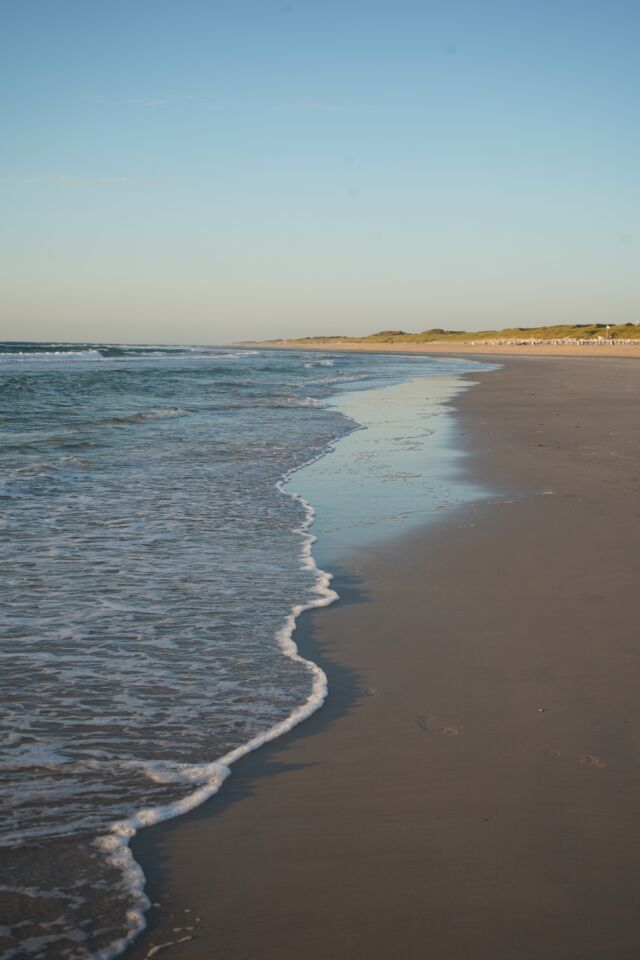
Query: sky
211	170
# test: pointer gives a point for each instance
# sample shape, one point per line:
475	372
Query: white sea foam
135	662
161	414
240	354
115	844
148	352
302	402
141	416
50	356
320	363
339	378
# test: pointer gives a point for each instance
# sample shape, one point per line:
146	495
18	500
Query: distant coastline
620	340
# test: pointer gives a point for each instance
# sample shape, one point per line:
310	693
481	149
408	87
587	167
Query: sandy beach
470	790
587	350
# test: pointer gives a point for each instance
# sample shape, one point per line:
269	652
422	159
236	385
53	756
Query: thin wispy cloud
65	180
314	106
209	103
148	103
156	103
206	103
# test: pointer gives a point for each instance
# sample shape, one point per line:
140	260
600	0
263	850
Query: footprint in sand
589	760
586	759
433	725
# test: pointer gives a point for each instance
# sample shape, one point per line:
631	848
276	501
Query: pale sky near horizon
208	171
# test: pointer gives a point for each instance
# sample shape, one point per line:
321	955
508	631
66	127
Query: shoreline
587	351
118	841
425	807
367	409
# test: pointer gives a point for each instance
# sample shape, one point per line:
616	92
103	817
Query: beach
320	482
496	348
470	788
165	556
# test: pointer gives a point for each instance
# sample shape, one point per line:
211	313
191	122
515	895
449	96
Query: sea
155	556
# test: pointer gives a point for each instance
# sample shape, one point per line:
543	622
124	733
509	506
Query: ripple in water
154	570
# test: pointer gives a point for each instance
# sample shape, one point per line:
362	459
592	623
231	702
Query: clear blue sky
182	170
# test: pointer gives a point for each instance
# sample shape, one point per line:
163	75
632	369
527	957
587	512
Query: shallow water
151	560
399	470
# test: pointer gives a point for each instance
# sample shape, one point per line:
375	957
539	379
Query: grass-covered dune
560	332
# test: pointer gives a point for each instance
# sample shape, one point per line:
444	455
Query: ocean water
155	555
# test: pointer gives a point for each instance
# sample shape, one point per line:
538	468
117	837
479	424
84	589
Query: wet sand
471	790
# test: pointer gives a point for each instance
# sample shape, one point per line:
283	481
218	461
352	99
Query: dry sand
471	790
